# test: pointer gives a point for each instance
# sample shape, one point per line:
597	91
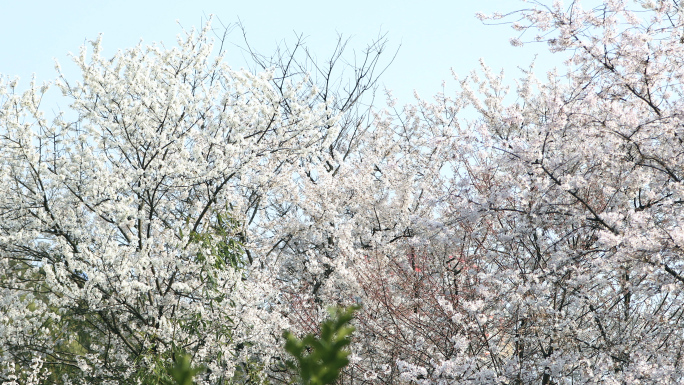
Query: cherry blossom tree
567	195
550	247
126	231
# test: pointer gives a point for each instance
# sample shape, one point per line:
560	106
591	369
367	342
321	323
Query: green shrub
320	359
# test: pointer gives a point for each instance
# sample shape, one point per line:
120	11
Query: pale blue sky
435	35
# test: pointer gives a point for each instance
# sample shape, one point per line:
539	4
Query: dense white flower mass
190	208
119	240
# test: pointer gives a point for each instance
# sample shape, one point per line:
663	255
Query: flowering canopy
194	208
121	221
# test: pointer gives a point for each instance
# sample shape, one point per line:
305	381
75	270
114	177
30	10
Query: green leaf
319	360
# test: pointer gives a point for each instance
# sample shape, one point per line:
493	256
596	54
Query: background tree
556	212
571	196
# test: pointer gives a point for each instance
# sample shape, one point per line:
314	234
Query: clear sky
433	36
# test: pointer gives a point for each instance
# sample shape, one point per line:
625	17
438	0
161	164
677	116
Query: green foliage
220	246
183	372
220	242
320	359
178	371
250	372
